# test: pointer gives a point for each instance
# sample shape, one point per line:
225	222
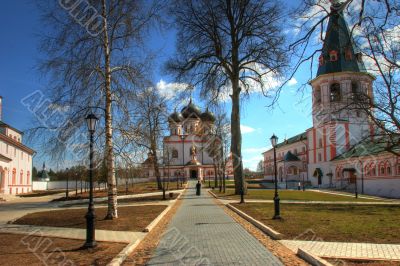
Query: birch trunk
112	188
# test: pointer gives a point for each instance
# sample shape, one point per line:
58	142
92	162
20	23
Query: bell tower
341	91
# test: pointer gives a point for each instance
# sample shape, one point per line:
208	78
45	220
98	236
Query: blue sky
19	54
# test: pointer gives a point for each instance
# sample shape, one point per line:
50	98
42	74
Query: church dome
207	116
191	111
175	117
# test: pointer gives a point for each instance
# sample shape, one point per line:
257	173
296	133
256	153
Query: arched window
21	177
381	169
317	95
372	169
174	153
14	176
321	60
335	92
333	55
28	178
388	168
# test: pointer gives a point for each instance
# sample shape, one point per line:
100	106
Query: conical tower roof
338	41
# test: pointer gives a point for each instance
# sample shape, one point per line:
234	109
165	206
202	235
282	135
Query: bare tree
150	116
374	28
89	49
229	46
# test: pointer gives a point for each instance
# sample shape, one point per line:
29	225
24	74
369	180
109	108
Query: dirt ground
35	250
131	218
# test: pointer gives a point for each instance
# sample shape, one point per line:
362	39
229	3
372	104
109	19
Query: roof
175	117
290	157
2	124
191	110
5	158
338	38
364	148
296	138
193	162
207	116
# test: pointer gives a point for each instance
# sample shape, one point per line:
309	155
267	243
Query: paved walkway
201	233
346	250
73	233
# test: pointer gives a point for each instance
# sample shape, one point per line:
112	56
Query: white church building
15	160
187	150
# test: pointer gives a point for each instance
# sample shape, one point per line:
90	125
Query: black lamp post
274	141
91	120
67	189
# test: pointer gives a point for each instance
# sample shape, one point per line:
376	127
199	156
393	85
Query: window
174	153
28	178
319	157
317	95
320	143
333	55
7	149
303	149
354	87
382	170
335	92
21	177
14	176
321	60
347	54
373	170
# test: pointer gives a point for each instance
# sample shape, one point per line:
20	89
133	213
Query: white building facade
15	160
188	149
339	150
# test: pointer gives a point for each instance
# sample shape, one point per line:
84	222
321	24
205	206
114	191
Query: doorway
193	174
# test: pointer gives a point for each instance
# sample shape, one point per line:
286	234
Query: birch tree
93	55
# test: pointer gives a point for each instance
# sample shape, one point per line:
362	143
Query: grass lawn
34	250
231	184
343	223
139	188
132	218
290	195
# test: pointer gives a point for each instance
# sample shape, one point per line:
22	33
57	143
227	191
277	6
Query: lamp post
91	120
274	141
66	190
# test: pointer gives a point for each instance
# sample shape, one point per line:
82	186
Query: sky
19	55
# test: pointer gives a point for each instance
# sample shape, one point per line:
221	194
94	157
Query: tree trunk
156	169
236	140
112	189
215	176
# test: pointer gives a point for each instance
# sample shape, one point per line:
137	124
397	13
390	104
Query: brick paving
201	233
346	250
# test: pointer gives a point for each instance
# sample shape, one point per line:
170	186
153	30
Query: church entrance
193	174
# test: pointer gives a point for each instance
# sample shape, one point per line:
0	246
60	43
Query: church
15	160
338	151
189	148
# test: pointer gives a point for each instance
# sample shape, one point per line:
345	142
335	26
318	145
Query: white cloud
246	129
169	90
252	162
256	150
292	82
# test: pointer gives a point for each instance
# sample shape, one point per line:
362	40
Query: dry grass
35	251
131	218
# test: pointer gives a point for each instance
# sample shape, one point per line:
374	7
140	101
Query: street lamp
67	189
274	141
91	121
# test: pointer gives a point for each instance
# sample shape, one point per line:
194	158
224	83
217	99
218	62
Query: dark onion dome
207	116
191	110
175	117
339	52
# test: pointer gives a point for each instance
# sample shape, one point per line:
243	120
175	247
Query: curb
212	194
269	231
312	259
121	257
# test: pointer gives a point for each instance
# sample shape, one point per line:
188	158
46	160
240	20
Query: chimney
1	108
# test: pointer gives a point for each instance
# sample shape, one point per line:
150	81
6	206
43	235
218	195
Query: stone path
201	233
346	250
73	233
